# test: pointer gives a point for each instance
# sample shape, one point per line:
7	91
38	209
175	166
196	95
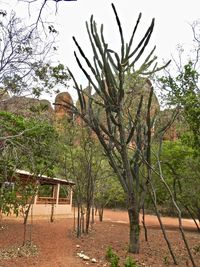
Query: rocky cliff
32	107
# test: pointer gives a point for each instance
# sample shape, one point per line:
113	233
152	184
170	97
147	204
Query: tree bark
78	232
87	218
134	234
144	225
82	220
199	215
92	221
193	217
52	213
1	216
100	210
27	213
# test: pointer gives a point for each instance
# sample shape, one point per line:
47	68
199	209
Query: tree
125	138
181	168
24	144
181	86
80	158
108	191
184	94
25	66
24	69
42	6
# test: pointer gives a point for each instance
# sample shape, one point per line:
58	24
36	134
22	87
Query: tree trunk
144	225
78	232
134	235
92	221
198	215
27	213
1	216
87	219
82	219
96	209
24	236
74	218
52	213
193	217
101	214
26	218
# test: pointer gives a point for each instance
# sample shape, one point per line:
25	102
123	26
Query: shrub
130	262
112	257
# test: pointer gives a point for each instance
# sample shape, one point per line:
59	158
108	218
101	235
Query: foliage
166	260
112	257
79	151
25	66
130	262
185	95
81	159
19	134
108	191
25	144
180	168
48	77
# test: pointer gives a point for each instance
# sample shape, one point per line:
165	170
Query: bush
112	257
130	262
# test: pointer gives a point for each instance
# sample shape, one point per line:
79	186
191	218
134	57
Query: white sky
171	23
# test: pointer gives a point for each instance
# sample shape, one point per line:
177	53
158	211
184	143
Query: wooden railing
63	201
51	200
46	200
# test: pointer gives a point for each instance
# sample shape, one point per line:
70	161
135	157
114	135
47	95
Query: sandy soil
58	245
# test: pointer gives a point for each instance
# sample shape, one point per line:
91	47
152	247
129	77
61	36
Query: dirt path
57	243
150	220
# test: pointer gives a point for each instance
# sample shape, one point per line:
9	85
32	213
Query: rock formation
63	102
28	107
32	107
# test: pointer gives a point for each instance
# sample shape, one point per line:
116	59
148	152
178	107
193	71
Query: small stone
93	260
86	258
78	246
80	255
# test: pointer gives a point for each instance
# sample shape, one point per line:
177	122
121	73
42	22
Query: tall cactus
125	136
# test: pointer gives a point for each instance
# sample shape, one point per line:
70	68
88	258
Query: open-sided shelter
53	195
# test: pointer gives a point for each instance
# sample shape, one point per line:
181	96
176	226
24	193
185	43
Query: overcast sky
172	20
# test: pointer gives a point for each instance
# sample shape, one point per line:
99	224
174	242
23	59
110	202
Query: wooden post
57	193
56	190
36	194
71	195
35	199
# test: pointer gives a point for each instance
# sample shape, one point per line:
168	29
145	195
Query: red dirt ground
57	243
